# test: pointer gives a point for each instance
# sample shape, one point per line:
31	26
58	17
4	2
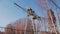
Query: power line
55	4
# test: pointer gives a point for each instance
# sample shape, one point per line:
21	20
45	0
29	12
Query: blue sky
10	13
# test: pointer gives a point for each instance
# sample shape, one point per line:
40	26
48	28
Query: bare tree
19	26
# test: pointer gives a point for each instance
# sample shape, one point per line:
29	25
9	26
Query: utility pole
52	20
30	12
51	17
